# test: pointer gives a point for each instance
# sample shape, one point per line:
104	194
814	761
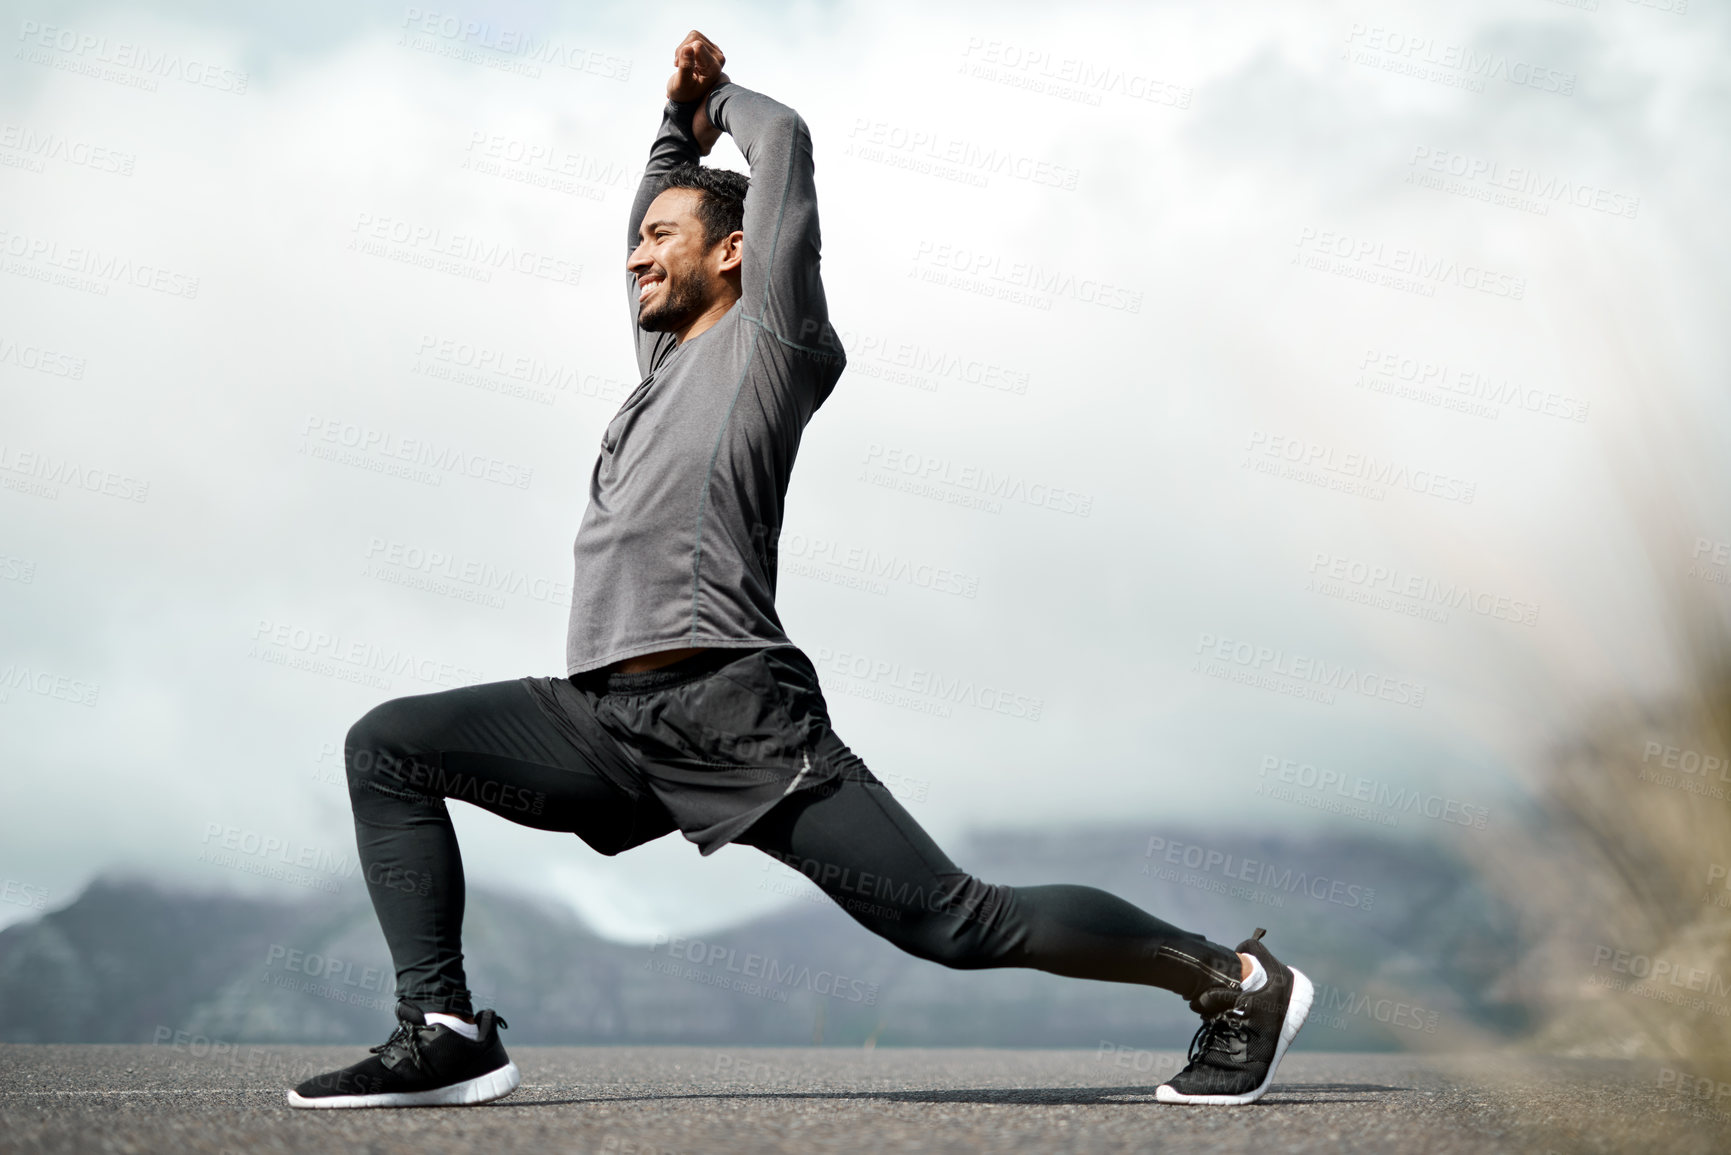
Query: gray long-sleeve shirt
677	547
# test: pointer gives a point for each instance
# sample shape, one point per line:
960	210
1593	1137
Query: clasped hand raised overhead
697	64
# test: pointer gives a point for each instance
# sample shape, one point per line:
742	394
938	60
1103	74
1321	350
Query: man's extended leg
866	852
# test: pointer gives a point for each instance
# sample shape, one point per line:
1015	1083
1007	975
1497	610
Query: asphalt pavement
199	1095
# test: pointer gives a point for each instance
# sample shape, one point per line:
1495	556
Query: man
685	706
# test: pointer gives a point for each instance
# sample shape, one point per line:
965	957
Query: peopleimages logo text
1027	275
1358	467
1240	869
1006	486
1411	262
386	445
1299	667
918	680
768	969
1361	789
1393	580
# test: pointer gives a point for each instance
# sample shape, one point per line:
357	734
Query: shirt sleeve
779	282
674	145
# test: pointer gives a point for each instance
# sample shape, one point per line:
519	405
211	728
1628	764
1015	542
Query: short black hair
721	208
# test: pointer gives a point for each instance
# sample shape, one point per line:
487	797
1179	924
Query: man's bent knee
376	750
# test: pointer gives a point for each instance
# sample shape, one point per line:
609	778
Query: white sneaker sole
1297	1010
481	1089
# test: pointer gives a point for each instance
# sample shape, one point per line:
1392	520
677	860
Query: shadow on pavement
1004	1096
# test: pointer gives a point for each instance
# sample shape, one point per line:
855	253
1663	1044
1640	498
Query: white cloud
1259	133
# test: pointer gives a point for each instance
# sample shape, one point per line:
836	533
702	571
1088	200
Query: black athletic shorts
716	739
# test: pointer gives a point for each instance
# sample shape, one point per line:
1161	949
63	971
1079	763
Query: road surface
196	1095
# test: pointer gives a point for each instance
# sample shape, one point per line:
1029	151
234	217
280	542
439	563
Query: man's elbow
787	128
767	114
772	116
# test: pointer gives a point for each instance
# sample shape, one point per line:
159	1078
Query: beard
681	302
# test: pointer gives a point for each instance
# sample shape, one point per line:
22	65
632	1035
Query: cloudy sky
1282	387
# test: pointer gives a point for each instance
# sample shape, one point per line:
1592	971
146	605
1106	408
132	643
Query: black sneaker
1243	1035
419	1066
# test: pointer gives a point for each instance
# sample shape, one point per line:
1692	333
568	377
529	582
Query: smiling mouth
644	287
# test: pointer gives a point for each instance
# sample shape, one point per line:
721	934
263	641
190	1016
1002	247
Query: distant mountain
1404	941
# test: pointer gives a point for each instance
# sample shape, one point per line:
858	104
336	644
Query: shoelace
1224	1032
407	1039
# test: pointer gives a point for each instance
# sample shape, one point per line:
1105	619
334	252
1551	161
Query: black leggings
490	745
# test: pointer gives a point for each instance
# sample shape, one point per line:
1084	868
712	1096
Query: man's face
678	276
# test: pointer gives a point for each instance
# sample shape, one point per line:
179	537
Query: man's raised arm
779	281
674	145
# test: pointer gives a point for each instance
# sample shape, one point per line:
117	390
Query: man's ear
732	250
